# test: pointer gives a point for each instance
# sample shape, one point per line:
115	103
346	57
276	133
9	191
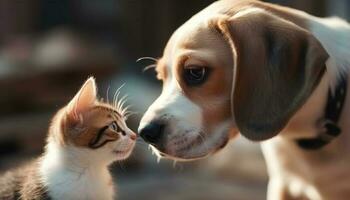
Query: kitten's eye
114	126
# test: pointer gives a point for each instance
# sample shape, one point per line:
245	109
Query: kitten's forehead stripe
97	133
109	110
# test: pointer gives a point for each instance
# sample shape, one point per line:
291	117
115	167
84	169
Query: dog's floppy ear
277	65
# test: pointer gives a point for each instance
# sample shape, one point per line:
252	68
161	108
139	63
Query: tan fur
216	38
98	117
81	144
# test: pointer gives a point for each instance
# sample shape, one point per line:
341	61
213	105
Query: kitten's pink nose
133	136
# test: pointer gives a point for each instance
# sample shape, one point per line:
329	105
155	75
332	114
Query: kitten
85	137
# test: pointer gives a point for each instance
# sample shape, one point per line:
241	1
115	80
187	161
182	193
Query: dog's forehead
200	42
191	35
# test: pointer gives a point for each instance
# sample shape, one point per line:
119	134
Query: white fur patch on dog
334	35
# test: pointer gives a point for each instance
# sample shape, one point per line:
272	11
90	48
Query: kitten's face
94	129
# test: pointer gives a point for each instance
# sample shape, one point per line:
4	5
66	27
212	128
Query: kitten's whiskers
107	94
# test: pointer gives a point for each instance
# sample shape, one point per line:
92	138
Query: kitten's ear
83	100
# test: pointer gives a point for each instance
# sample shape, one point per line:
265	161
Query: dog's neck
304	124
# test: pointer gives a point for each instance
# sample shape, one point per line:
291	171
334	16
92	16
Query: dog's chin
190	154
185	158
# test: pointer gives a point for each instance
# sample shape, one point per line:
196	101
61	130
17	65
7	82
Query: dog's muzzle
152	132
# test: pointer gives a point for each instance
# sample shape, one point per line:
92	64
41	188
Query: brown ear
277	66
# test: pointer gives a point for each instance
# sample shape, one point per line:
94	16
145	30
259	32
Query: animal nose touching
152	132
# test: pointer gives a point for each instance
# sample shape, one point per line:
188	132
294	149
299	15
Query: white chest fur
67	177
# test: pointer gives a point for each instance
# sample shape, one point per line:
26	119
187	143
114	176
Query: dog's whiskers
147	58
155	152
149	67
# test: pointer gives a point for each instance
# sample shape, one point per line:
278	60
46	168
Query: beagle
270	73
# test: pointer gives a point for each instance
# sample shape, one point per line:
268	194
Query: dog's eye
195	75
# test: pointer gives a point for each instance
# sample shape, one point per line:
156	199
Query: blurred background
49	47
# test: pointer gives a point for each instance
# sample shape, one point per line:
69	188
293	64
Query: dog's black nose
152	132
